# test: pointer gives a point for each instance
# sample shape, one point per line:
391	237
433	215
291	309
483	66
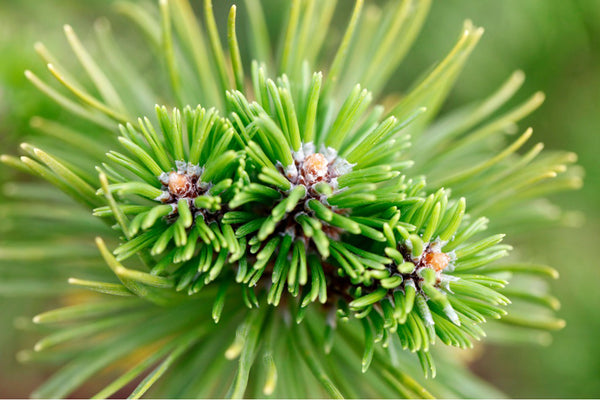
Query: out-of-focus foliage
22	23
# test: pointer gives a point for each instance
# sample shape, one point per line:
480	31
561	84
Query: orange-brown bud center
179	184
437	261
316	165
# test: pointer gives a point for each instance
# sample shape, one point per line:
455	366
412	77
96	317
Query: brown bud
437	261
179	184
315	165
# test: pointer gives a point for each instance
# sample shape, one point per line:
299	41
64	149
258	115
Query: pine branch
236	189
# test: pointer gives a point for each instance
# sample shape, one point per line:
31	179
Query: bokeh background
555	42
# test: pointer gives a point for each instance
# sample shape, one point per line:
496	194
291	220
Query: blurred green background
555	42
